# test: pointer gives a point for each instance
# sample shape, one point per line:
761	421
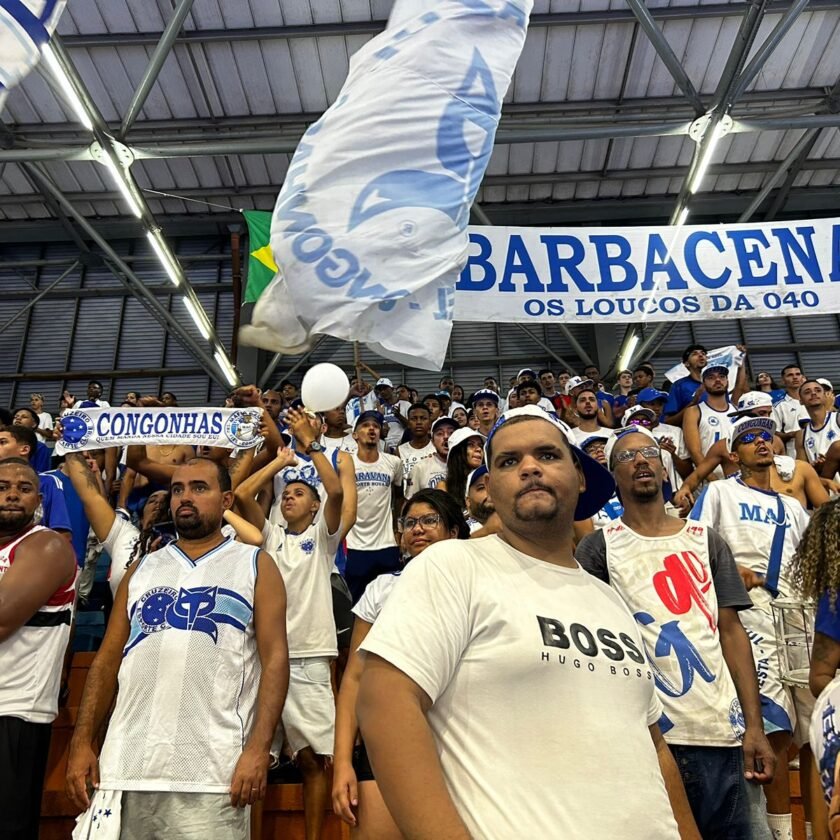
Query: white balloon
324	387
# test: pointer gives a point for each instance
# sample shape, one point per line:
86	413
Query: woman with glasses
427	517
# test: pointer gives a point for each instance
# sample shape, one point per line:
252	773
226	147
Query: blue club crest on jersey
198	610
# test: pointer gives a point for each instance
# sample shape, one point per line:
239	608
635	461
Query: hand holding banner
97	428
369	230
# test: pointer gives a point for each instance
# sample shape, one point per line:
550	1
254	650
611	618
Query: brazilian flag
261	265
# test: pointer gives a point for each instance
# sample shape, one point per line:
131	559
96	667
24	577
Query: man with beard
486	407
763	529
707	422
479	505
485	640
789	411
272	402
649	557
586	406
822	429
37	572
197	641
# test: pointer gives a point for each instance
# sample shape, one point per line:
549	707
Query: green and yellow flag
261	265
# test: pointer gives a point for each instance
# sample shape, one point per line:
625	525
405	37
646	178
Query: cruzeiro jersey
190	672
713	426
667	582
818	441
762	528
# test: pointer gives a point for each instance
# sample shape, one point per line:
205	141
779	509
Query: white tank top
31	658
667	584
818	441
190	673
713	426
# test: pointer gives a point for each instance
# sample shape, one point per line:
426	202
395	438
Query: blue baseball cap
651	395
714	368
600	485
369	415
485	394
477	473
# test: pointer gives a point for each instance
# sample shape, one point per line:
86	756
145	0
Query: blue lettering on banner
636	274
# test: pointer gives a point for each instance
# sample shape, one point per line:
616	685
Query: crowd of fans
598	593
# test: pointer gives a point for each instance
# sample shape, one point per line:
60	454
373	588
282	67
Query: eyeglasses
627	455
640	421
750	437
408	523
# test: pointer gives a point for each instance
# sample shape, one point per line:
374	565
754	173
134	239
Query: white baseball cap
749	424
383	383
576	382
460	436
751	401
634	411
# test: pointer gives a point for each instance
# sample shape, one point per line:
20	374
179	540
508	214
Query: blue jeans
717	790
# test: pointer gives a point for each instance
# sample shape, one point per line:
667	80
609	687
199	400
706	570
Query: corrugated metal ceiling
237	87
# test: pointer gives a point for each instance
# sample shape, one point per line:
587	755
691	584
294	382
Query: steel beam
540	343
805	142
31	301
105	373
159	56
766	49
81	292
324	30
666	54
122	271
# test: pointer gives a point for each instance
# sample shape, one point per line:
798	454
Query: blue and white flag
730	356
25	26
97	428
370	227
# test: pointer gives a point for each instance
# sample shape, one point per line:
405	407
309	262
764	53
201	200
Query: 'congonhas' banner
650	273
95	428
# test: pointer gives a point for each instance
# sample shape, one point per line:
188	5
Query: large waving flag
25	27
369	229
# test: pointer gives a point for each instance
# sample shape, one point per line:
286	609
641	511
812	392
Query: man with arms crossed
197	640
681	584
462	677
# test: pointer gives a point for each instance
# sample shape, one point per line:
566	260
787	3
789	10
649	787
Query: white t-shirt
410	457
787	413
580	435
816	442
395	427
374	525
542	662
374	597
120	543
305	561
427	475
346	443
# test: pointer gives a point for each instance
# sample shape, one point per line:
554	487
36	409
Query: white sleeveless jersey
762	528
31	658
190	673
817	441
713	426
667	584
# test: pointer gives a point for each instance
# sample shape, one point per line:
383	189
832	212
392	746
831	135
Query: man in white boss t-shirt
371	545
502	680
681	584
197	644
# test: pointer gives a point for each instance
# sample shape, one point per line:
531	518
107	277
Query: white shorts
777	707
309	712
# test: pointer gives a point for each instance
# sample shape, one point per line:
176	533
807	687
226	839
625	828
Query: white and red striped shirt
31	658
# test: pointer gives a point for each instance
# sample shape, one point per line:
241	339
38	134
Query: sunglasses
628	455
751	437
640	421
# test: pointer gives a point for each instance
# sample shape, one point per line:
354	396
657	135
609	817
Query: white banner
369	229
96	428
730	356
650	273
